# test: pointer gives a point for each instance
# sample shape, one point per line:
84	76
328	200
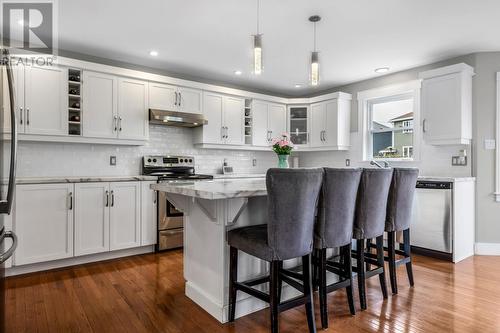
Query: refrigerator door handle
6	206
7	254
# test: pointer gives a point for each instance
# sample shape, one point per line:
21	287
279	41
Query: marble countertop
239	175
217	188
447	179
71	179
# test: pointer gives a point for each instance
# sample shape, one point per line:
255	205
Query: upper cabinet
269	120
299	124
446	105
225	116
114	107
330	124
173	98
40	99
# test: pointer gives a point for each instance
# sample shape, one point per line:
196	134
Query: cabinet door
18	77
331	123
162	96
125	215
189	100
45	93
277	119
133	121
260	131
212	110
441	108
234	120
99	105
91	218
318	119
149	226
44	222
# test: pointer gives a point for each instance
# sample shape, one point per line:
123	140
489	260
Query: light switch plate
347	162
459	160
489	144
112	160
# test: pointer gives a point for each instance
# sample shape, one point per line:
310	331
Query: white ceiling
211	39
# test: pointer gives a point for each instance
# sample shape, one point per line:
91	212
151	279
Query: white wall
38	159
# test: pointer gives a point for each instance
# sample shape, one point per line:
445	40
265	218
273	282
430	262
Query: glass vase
283	161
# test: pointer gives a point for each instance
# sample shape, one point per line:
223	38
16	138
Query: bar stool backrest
400	203
292	196
371	205
336	208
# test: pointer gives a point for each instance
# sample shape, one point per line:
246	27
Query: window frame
367	98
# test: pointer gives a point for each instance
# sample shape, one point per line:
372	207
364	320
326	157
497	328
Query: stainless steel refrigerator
8	150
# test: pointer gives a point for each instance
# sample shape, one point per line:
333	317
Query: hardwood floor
146	294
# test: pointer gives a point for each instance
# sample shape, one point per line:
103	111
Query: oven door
168	216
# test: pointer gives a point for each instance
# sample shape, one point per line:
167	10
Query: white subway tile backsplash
40	159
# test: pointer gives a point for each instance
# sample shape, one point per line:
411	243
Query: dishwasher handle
434	185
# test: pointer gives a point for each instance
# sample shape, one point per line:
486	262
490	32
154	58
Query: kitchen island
211	208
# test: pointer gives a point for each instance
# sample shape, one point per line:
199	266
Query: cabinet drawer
169	239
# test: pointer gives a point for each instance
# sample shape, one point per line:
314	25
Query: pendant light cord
314	36
258	16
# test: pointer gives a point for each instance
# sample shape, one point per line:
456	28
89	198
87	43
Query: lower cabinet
58	221
125	215
44	222
149	228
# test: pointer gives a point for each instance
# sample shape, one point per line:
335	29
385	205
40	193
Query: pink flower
285	135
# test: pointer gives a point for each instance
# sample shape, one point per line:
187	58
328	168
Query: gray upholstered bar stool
291	206
371	208
333	229
399	211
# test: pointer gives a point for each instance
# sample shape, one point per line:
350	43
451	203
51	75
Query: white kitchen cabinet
149	227
7	223
269	120
125	215
446	105
92	203
44	222
100	119
226	120
299	124
173	98
330	124
133	121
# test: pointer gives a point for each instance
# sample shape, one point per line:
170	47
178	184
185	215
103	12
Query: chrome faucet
386	164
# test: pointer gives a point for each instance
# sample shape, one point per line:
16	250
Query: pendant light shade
257	54
314	70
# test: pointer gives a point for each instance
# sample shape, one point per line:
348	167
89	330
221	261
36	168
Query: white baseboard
487	249
43	266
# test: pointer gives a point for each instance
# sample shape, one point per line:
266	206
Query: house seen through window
391	123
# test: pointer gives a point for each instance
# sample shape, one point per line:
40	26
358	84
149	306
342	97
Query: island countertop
216	189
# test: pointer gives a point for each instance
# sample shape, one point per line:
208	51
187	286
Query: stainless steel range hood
173	118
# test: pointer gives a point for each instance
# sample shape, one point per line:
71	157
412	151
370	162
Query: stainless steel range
170	220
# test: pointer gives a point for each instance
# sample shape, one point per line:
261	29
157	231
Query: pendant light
257	46
314	75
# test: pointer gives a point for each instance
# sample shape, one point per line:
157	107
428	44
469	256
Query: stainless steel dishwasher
432	226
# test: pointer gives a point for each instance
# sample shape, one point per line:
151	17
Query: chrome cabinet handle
107	199
227	132
154	197
424	127
115	120
120	120
7	254
222	132
21	115
324	136
180	99
70	200
112	198
27	116
175	92
321	136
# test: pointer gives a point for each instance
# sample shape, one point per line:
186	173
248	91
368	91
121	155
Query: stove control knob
190	160
182	161
149	160
154	160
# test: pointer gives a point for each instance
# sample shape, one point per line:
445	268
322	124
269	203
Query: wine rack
74	102
248	121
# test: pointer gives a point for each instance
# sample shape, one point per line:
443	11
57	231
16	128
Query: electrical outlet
112	160
254	162
347	162
459	160
489	144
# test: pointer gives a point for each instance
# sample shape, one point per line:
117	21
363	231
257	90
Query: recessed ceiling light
153	53
238	72
298	86
382	70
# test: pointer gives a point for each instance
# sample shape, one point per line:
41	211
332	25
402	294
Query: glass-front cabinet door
299	124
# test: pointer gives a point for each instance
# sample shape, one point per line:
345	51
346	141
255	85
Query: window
388	119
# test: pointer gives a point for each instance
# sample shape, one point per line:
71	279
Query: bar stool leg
360	265
233	276
348	275
380	260
323	304
306	267
391	251
273	293
280	280
407	250
369	250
